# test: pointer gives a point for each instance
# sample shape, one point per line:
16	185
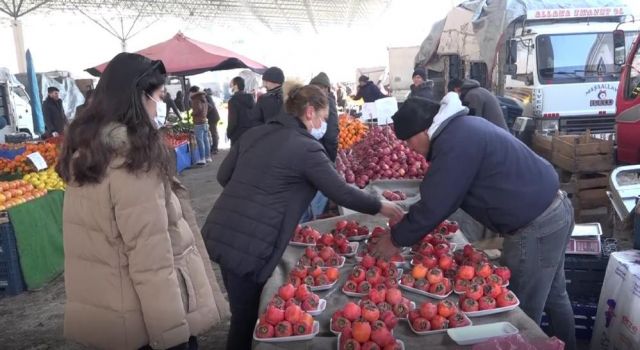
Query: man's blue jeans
316	208
202	139
535	255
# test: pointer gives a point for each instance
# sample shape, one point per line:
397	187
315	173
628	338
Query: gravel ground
34	320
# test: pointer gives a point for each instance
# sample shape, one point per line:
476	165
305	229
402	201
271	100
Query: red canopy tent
184	56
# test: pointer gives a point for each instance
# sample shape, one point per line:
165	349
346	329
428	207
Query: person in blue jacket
500	182
367	90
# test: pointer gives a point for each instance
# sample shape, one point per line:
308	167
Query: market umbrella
34	96
184	56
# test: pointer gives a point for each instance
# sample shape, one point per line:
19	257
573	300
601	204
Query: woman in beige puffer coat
136	272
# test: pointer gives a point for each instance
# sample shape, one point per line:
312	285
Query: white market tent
273	14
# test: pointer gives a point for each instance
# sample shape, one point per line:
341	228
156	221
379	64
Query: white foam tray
477	334
322	305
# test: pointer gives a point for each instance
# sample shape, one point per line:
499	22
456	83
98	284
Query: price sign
38	161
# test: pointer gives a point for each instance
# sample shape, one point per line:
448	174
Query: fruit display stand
31	244
336	299
179	141
183	157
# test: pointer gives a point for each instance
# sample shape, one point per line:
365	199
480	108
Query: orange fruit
419	271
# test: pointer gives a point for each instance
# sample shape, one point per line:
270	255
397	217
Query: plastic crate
11	282
585	275
585	318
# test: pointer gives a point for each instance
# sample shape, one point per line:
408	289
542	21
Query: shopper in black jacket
481	102
54	118
330	139
269	178
367	90
421	87
269	105
240	106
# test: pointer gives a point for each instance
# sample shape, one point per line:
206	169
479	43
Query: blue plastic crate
11	282
585	318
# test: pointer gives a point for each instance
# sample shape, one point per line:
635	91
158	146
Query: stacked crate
11	282
585	163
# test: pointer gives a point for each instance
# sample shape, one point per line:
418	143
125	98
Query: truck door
628	118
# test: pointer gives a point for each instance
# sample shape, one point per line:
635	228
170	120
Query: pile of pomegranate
380	155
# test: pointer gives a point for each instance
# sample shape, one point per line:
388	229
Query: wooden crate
592	198
582	153
595	180
542	145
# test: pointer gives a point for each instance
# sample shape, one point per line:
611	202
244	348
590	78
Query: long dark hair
117	99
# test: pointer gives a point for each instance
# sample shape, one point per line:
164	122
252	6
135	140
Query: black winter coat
269	177
54	118
369	93
268	107
240	106
483	103
424	90
330	138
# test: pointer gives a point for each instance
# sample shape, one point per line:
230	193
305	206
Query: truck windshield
575	58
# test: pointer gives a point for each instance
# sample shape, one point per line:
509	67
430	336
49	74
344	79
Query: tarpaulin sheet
38	228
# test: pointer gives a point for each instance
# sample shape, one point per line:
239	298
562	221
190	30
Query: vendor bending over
499	181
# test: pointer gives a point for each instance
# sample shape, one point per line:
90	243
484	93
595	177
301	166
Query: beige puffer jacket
136	271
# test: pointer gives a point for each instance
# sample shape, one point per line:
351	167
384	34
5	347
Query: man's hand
392	211
385	249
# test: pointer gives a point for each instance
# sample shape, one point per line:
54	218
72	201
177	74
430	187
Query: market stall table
37	229
336	299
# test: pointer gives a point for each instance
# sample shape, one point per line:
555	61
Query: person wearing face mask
329	140
137	275
161	110
199	109
240	106
269	178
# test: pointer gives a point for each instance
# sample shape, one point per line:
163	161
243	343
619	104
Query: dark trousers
535	255
244	301
213	128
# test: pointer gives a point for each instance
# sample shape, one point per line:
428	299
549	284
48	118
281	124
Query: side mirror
619	52
512	55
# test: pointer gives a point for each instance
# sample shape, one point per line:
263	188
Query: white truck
401	65
14	106
554	58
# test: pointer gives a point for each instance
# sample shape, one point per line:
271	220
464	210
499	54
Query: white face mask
319	132
161	112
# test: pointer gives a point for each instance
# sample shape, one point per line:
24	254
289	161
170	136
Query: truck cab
628	98
14	106
554	62
563	74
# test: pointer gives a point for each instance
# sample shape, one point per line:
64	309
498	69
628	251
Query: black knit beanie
421	72
274	75
415	115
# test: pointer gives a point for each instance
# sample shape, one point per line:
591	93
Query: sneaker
202	162
209	160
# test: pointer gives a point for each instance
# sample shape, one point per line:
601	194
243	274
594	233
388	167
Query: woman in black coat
269	178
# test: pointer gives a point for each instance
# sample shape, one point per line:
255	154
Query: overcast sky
72	42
